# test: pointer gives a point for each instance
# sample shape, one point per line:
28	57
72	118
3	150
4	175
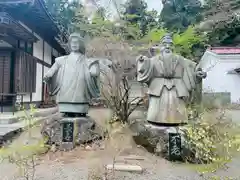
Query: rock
145	136
102	147
155	138
53	148
85	130
88	148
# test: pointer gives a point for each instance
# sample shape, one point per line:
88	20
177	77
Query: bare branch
116	88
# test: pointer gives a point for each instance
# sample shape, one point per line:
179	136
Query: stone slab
124	167
8	118
8	128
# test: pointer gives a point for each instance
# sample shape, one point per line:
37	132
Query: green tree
135	13
177	15
190	43
222	22
63	10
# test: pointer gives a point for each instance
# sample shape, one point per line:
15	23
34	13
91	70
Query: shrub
212	139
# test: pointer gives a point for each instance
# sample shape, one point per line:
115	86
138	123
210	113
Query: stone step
8	131
124	167
11	119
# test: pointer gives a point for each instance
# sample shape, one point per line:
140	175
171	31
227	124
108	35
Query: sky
152	4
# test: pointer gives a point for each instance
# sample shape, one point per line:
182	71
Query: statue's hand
141	58
141	63
46	79
201	74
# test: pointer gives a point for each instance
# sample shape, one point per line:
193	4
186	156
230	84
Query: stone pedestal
156	139
67	132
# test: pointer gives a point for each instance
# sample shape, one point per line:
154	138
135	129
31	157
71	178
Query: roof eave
16	1
51	17
42	6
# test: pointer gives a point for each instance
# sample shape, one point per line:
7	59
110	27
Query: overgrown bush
212	139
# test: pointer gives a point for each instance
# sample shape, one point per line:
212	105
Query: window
29	48
26	46
21	45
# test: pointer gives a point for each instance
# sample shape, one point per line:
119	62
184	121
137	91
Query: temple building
222	83
28	47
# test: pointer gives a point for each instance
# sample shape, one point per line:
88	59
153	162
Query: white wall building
223	78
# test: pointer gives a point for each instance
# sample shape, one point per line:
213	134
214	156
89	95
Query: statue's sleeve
189	76
144	70
92	73
54	78
95	69
53	69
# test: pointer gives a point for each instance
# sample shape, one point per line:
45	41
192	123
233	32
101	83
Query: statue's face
75	44
167	47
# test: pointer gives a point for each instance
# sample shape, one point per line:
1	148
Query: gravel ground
78	164
79	170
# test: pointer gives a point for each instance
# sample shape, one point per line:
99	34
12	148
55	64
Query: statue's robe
170	79
74	79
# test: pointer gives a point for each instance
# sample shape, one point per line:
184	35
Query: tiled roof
39	17
15	1
225	50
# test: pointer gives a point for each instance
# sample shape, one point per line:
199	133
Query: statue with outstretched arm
170	79
74	79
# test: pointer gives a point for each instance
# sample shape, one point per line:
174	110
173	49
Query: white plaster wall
38	53
219	80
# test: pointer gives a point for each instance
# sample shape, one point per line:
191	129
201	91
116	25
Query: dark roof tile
225	50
